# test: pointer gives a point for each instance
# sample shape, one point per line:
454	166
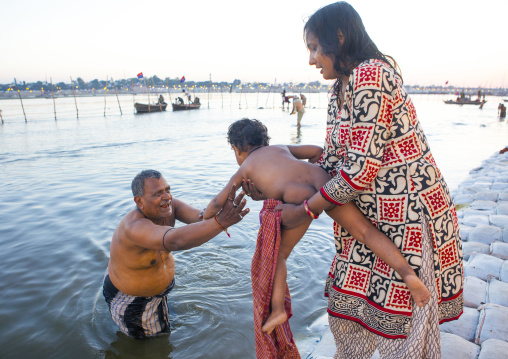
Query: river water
65	185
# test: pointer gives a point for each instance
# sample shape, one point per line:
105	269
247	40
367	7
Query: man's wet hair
138	183
247	133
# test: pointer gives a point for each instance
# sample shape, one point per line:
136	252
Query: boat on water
179	105
156	107
464	102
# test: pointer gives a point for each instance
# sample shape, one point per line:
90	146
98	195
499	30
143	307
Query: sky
459	41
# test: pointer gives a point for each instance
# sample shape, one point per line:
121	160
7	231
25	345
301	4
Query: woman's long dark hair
358	46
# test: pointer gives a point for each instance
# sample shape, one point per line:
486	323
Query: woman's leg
290	237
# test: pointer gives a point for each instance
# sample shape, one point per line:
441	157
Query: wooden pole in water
257	97
240	103
209	84
268	96
273	97
116	93
169	92
156	94
75	102
148	90
19	94
53	95
105	90
246	104
133	96
221	96
1	117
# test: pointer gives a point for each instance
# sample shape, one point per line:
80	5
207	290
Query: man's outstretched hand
233	210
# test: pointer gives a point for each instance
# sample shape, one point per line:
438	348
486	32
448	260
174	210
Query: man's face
157	200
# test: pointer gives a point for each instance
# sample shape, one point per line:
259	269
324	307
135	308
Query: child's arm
218	201
303	152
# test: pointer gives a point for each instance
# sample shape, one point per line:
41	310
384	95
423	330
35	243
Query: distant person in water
141	268
501	110
298	108
279	174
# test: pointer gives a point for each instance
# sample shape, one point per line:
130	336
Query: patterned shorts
138	317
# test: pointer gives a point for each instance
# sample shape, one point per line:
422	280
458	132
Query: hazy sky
434	41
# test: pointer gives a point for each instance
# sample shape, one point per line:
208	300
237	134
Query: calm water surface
65	185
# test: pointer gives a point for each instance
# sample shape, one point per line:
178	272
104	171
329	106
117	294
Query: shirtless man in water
141	268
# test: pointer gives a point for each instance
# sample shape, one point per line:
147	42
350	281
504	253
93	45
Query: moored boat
464	102
179	105
156	107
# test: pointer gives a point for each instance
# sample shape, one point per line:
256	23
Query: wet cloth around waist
138	317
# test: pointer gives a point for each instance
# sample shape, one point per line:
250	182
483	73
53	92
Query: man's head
246	134
152	194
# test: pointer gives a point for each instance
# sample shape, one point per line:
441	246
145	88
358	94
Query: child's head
245	134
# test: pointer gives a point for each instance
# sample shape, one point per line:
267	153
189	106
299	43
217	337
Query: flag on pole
182	79
140	75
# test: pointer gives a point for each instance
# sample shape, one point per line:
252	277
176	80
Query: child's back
280	175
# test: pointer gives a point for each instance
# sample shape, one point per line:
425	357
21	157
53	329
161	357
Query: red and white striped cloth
280	343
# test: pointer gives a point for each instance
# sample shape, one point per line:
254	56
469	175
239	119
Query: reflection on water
65	185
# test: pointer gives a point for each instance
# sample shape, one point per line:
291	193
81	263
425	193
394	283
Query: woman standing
378	157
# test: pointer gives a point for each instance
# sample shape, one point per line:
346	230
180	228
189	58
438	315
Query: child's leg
350	217
290	237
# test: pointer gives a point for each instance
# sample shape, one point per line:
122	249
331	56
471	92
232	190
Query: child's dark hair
246	133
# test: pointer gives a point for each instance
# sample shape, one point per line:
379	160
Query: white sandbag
464	231
503	196
499	220
502	208
485	234
492	323
462	198
493	348
479	212
503	273
475	220
475	292
469	248
453	346
376	355
482	265
499	249
498	186
497	293
465	326
501	179
482	205
487	196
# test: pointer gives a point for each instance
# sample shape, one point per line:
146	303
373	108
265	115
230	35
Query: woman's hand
292	215
250	189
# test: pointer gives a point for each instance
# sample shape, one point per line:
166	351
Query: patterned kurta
379	158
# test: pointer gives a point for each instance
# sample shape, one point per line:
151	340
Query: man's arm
303	152
148	235
220	199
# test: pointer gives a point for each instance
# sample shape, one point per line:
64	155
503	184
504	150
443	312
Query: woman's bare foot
419	291
275	318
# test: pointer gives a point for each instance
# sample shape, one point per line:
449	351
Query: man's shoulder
130	220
